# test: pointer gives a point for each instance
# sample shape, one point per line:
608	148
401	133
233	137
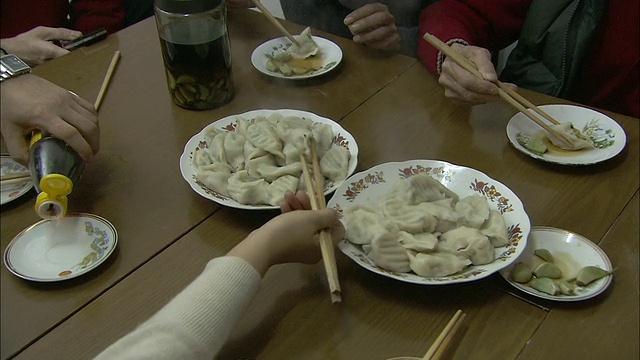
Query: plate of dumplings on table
430	222
248	161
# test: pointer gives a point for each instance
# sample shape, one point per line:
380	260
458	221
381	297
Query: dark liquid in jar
197	59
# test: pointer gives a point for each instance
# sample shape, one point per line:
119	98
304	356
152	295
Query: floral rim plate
330	53
608	136
56	250
570	252
342	138
369	185
13	191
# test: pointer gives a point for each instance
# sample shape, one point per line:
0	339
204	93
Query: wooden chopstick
15	180
107	79
506	93
315	190
445	336
275	21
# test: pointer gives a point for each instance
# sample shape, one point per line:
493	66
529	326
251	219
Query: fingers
374	26
298	201
17	144
383	38
49	33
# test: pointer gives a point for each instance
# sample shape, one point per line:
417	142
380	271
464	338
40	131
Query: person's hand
374	26
36	47
239	4
464	88
289	237
29	102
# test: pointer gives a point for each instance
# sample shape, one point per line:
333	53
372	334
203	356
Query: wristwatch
12	66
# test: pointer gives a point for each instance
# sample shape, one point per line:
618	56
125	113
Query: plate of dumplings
430	222
248	161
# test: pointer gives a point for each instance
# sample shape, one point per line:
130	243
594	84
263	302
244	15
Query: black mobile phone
86	39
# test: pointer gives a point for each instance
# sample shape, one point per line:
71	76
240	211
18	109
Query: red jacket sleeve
90	15
490	24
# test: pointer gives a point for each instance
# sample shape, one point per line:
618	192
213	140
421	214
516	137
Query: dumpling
263	136
363	225
442	210
495	228
251	152
323	135
334	165
215	176
216	148
421	242
247	190
200	158
242	125
468	242
295	145
473	210
423	187
437	264
407	217
265	167
388	254
255	165
276	190
292	124
234	149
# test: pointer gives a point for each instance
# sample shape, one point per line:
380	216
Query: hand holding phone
87	39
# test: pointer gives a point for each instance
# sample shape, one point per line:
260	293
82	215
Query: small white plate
342	138
13	191
56	250
608	136
329	52
570	252
367	186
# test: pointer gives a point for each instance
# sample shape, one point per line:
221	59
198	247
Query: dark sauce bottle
55	167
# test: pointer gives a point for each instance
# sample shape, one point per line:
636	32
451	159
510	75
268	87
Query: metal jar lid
186	6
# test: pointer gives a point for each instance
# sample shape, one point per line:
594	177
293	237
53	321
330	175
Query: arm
35	46
473	28
29	102
198	321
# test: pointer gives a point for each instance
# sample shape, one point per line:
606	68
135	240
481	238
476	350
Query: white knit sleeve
197	322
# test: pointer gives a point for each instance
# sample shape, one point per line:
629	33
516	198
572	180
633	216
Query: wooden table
396	111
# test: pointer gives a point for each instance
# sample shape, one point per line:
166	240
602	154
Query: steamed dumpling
215	176
474	211
468	242
234	149
437	264
263	136
276	190
424	188
334	165
420	242
388	254
408	217
495	228
247	190
363	225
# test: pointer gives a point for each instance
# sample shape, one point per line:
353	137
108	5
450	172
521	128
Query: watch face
14	64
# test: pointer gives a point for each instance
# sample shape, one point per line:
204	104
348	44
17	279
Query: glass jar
196	51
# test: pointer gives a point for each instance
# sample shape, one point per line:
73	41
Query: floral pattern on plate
229	123
607	135
367	186
330	53
13	191
55	250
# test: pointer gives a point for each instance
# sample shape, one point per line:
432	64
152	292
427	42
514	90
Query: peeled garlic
545	285
588	274
548	270
544	254
521	273
566	288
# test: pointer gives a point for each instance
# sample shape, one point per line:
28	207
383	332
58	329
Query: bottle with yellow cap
55	167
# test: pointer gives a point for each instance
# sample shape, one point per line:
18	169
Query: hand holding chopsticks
444	339
315	189
275	21
505	92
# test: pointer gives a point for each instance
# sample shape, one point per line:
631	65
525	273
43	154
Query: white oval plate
570	252
56	250
329	52
342	138
13	191
606	133
367	186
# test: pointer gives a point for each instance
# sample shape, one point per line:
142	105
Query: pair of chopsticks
506	93
315	189
274	21
15	178
444	339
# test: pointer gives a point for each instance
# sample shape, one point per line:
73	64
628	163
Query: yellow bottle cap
52	201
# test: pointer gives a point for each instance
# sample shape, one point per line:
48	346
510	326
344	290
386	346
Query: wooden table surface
396	111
